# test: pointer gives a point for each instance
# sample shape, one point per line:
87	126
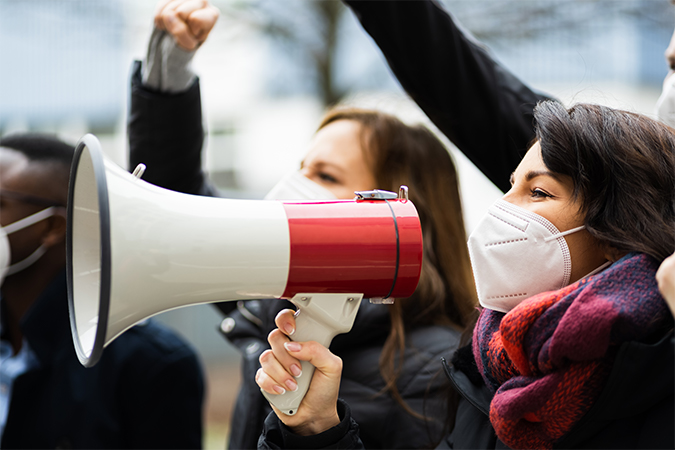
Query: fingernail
289	329
293	346
170	19
279	390
292	385
296	370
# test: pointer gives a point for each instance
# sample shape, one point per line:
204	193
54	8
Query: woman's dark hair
622	166
401	154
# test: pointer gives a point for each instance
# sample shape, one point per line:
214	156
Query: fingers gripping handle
319	318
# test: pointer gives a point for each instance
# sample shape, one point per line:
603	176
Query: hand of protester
188	21
666	278
318	410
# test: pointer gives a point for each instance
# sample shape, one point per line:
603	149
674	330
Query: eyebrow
322	164
529	176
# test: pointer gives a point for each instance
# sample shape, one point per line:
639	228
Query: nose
509	196
670	53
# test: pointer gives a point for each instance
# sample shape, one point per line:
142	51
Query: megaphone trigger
320	317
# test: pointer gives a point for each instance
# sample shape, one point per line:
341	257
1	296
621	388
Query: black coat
145	392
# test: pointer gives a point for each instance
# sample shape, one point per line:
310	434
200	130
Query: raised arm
478	104
165	120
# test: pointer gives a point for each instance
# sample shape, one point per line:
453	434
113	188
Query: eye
327	178
538	193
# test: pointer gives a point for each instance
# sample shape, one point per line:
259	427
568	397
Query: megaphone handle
320	318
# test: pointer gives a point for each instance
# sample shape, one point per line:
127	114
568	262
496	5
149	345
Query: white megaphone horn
136	250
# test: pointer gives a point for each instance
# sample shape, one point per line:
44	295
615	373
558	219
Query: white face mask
296	186
665	105
5	251
516	254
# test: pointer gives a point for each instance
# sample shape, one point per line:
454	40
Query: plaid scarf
548	359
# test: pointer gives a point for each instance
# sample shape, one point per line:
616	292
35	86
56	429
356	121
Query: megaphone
135	250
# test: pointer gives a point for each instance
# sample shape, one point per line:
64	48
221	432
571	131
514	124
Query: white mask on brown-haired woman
665	105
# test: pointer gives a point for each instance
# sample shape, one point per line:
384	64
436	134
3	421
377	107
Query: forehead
532	161
12	165
19	174
337	142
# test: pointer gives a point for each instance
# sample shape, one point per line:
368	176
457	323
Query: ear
56	230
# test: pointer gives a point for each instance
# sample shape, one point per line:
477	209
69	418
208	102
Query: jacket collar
467	381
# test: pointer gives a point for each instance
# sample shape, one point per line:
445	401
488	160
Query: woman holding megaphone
573	320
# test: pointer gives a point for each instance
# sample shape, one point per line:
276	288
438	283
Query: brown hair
622	166
400	154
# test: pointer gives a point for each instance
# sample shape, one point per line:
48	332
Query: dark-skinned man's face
26	188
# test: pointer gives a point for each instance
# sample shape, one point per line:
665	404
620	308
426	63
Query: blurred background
268	71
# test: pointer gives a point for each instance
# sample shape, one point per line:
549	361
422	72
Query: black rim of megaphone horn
91	143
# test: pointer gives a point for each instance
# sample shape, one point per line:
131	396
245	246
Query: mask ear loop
30	220
26	222
30	260
564	233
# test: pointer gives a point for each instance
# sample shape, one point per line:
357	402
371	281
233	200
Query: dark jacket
145	392
636	408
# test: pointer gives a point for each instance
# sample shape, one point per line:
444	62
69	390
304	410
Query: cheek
586	253
22	243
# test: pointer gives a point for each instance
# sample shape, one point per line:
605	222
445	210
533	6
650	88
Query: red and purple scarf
547	360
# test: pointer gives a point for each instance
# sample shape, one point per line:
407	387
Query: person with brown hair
392	372
392	354
580	355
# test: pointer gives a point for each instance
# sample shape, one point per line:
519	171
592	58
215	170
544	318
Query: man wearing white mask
47	398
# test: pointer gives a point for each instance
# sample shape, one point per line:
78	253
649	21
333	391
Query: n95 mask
665	105
296	186
5	250
516	254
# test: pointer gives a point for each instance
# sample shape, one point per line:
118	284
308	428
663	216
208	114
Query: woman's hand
318	410
666	278
188	21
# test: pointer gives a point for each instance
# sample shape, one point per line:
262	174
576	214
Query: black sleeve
166	134
477	103
345	435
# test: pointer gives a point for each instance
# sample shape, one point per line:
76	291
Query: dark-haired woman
573	348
